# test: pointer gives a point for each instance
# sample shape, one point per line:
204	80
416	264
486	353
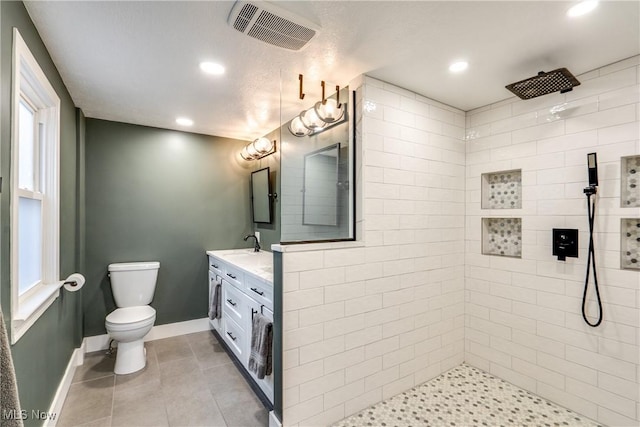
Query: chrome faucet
256	246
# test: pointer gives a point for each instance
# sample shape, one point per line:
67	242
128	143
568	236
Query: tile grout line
213	397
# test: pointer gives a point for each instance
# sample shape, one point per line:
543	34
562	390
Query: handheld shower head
592	165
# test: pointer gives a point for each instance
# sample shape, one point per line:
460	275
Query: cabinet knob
257	291
231	275
230	301
214	266
231	336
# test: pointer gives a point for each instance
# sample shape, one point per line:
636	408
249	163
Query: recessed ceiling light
212	68
459	66
183	121
582	8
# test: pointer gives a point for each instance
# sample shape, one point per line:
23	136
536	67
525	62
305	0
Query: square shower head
557	80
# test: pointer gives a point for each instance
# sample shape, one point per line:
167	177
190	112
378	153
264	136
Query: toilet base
130	357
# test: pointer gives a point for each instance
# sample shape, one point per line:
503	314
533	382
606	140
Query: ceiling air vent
266	22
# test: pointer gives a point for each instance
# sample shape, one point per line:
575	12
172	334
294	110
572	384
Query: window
35	153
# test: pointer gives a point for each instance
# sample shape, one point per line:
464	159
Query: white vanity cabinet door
253	306
215	323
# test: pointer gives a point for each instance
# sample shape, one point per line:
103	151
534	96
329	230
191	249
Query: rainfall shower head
557	80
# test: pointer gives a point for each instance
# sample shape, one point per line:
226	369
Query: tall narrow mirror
261	196
320	187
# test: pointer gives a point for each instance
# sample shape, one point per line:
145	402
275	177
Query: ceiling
137	62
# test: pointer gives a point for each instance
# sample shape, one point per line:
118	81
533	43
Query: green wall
42	354
160	195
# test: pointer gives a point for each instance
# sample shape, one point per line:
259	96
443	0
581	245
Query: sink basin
250	260
256	260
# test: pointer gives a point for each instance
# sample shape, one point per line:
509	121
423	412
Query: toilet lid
131	314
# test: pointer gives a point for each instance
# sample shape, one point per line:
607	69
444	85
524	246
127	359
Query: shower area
451	305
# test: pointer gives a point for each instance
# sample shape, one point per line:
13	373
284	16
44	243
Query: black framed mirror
261	196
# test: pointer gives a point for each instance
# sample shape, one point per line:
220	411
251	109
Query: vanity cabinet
247	288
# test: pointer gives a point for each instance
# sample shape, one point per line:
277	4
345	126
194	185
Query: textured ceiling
137	62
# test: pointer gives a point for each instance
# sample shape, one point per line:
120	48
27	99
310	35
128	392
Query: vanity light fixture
183	121
582	8
258	148
323	115
212	68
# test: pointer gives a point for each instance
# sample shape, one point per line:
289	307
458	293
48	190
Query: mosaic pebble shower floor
631	243
466	396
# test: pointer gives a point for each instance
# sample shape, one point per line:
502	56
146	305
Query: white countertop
259	264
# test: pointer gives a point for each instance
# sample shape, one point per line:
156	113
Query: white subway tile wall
377	320
523	316
363	324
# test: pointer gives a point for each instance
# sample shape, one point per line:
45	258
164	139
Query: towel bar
256	311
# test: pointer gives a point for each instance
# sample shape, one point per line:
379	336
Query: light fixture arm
338	96
301	77
324	99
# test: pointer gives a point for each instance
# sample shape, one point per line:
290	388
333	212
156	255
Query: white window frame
30	84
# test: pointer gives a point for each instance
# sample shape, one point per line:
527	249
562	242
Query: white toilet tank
133	283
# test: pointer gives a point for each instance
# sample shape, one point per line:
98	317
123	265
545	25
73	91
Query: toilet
133	285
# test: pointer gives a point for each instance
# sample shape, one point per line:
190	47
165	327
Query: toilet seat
128	318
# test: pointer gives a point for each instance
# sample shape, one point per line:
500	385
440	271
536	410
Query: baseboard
77	359
101	342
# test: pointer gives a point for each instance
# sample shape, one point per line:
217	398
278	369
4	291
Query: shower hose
591	260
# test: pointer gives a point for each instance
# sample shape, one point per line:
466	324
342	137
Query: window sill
31	310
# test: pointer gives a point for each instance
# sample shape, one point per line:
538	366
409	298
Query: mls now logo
42	415
14	414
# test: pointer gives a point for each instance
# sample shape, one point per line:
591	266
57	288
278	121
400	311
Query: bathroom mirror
260	196
320	187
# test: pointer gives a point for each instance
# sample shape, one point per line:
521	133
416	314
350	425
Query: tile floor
189	380
466	396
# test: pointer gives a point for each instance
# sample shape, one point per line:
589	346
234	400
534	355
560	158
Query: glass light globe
311	120
245	153
297	128
329	111
262	145
251	150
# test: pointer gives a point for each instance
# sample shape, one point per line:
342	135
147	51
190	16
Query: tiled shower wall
366	322
523	316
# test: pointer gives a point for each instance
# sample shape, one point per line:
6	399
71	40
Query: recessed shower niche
630	243
502	190
502	237
630	182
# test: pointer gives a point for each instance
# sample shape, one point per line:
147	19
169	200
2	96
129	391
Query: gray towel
260	360
10	415
215	299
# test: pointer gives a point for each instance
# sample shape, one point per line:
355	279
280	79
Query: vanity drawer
234	336
260	291
234	303
234	276
216	266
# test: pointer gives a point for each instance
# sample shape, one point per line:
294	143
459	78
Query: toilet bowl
133	285
128	326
